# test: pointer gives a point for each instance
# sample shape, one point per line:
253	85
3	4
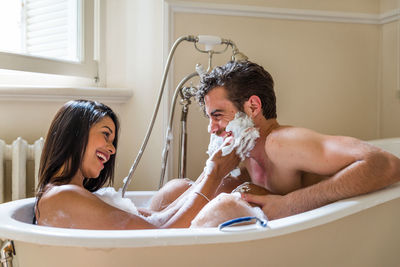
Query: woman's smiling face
99	148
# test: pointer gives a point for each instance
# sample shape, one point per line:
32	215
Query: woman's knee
224	207
169	193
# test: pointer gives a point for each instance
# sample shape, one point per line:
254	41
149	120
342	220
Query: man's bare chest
277	179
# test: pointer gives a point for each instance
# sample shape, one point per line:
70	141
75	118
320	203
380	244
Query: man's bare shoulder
306	150
289	135
303	139
291	145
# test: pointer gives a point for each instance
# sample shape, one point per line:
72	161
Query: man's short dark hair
241	80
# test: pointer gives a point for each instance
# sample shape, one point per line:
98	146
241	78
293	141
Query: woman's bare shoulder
65	196
60	204
60	192
71	206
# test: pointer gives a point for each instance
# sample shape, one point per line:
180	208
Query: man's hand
273	206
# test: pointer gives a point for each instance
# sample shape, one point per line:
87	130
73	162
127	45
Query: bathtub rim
18	231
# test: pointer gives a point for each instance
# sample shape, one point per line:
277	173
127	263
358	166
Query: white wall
390	98
134	60
326	73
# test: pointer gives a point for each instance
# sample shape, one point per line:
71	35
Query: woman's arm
186	208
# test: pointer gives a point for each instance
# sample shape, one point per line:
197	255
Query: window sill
62	94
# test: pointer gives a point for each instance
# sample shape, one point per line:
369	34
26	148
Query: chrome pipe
168	137
189	38
236	54
183	142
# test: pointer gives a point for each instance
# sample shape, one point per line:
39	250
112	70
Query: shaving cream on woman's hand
245	136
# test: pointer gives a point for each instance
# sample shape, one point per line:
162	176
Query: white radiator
19	152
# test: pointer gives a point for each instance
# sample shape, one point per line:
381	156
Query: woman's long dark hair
66	143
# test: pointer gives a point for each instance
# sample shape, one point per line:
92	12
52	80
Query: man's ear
253	106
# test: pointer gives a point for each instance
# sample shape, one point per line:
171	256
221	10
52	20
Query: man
301	168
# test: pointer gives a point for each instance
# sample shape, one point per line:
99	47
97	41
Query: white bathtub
361	231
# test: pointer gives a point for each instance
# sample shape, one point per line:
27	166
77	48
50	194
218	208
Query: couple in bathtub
298	169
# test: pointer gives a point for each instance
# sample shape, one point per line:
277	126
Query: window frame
88	65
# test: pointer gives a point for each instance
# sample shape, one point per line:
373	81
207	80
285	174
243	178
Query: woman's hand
223	165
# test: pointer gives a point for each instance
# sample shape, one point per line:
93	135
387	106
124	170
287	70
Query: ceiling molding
281	13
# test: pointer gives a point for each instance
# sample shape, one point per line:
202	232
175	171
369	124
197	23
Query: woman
79	157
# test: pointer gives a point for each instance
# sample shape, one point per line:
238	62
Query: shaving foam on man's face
244	134
244	138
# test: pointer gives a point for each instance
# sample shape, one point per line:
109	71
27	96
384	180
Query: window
48	36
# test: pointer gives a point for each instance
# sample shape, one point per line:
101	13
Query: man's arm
353	167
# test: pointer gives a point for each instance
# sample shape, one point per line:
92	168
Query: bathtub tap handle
7	252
